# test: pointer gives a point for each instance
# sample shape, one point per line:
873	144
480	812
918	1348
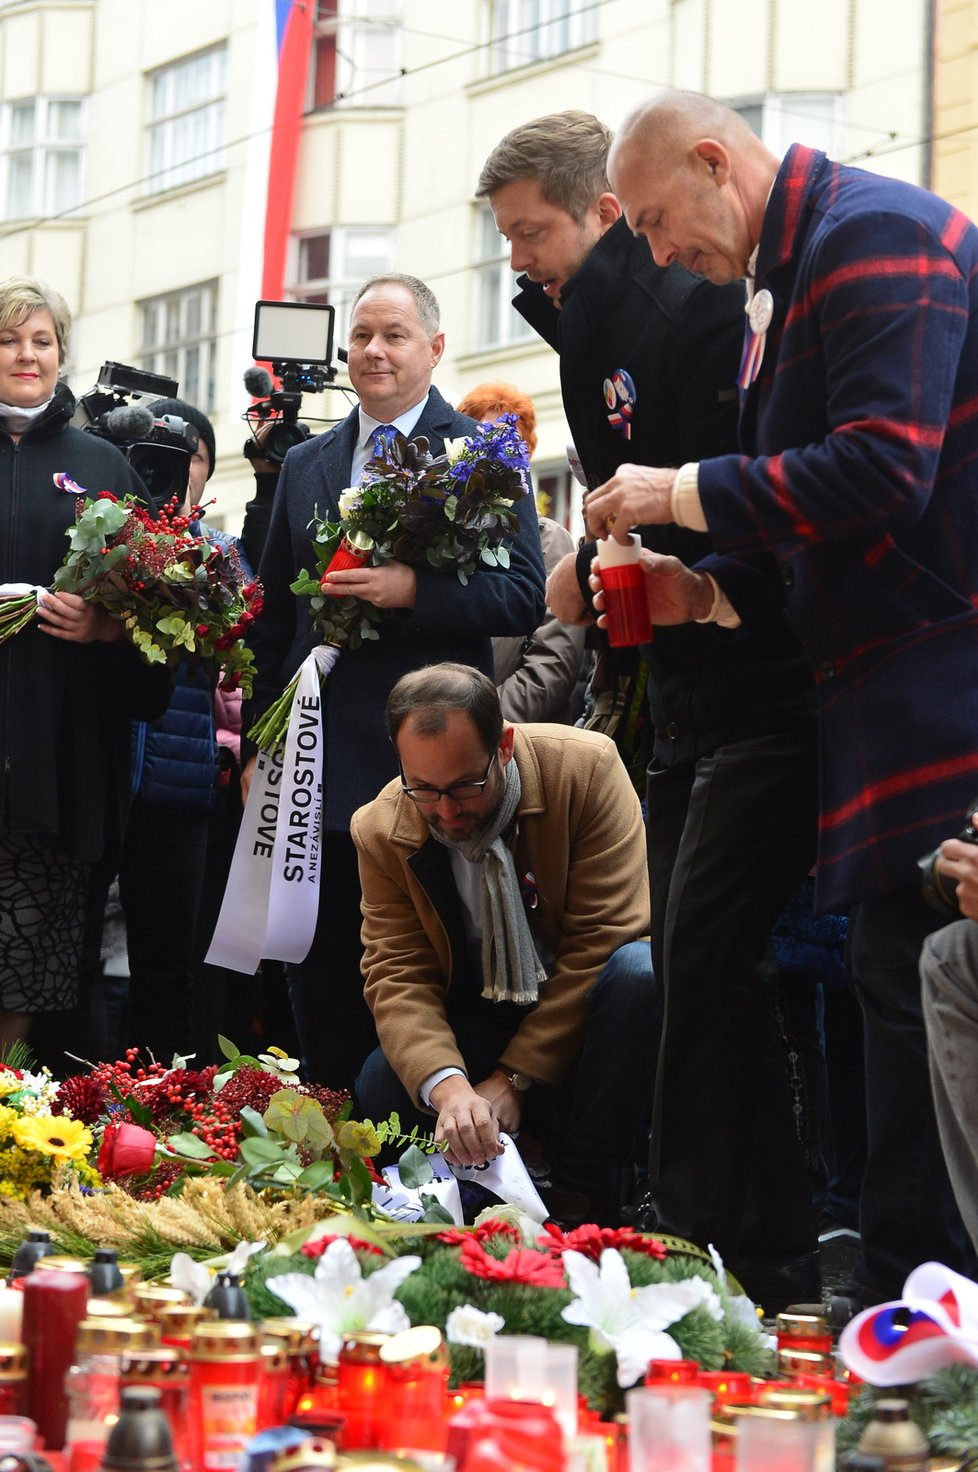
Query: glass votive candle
417	1379
669	1428
672	1372
515	1367
560	1386
777	1441
361	1388
17	1434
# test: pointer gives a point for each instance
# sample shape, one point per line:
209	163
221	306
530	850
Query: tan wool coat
578	833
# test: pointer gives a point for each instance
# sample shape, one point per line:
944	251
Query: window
524	31
185	131
497	321
782	118
42	156
332	265
559	496
357	53
178	337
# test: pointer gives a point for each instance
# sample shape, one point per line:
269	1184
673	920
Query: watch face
521	1082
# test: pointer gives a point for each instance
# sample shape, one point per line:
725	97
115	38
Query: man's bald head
694	180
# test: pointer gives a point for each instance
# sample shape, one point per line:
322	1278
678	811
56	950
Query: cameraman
949	974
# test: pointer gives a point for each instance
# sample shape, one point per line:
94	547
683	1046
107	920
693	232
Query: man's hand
636	495
960	861
68	616
505	1102
395	585
564	598
466	1122
674	592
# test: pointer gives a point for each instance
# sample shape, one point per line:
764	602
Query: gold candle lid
803	1405
181	1318
152	1298
804	1362
801	1320
419	1345
274	1357
113	1336
161	1362
362	1347
225	1339
107	1308
56	1263
13	1360
300	1336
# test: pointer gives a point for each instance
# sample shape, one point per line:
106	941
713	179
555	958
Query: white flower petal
238	1260
469	1325
637	1347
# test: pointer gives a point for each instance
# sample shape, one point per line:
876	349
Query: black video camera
158	447
297	339
940	890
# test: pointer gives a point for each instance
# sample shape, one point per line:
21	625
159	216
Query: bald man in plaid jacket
858	488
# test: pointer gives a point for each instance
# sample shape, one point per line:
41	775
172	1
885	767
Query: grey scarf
511	969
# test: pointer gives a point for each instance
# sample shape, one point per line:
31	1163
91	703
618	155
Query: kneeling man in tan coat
505	924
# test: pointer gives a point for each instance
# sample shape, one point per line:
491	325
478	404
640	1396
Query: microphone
259	382
130	421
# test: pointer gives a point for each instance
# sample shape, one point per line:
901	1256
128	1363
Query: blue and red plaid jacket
860	476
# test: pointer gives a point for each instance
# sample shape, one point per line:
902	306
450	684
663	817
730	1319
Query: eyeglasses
427	797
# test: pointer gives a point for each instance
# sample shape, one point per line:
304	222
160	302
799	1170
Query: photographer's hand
960	861
395	585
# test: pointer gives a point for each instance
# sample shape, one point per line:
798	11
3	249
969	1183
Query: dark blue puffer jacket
175	761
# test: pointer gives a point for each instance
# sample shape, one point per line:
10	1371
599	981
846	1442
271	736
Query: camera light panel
298	332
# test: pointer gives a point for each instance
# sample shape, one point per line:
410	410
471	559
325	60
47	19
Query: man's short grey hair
429	314
565	152
432	693
22	296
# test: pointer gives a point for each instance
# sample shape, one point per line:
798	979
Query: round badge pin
610	395
761	311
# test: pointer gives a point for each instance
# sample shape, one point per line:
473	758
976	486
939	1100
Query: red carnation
455	1236
518	1266
106	496
127	1150
316	1249
591	1240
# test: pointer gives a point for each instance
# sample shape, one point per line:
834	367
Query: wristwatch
521	1083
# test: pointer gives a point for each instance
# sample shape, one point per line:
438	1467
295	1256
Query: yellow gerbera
53	1134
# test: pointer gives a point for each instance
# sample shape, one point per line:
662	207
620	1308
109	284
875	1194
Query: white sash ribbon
17	590
271	903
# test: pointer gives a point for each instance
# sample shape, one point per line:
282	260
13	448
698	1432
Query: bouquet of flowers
177	593
41	1146
450	512
622	1297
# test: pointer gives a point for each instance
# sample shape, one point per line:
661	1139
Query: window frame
172	148
168	353
44	148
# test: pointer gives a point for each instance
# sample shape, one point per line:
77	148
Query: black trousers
731	838
333	1022
907	1211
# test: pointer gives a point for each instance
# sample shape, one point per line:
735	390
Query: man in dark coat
858	483
395	344
648	362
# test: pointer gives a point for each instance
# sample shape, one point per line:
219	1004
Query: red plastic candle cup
353	551
729	1387
54	1306
672	1372
625	605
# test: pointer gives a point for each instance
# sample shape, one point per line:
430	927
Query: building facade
166	169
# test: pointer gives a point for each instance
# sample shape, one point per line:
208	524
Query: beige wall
415	165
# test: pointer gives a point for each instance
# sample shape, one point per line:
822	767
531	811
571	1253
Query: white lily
631	1321
238	1259
739	1308
467	1324
340	1299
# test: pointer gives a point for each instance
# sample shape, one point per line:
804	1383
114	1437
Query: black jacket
65	709
673	342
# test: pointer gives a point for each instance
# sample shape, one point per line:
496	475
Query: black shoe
848	1300
644	1216
830	1229
777	1284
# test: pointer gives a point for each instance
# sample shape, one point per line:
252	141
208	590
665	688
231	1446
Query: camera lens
281	437
163	469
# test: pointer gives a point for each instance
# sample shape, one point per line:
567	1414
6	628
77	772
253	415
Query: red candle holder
417	1382
361	1388
729	1387
672	1372
503	1434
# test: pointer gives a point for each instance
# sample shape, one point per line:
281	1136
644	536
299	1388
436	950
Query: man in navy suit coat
395	344
858	487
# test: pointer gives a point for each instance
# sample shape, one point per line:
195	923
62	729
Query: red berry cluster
216	1123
